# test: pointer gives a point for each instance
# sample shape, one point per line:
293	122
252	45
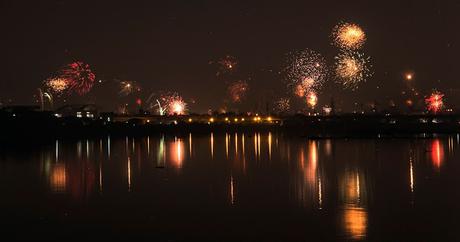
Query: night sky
168	45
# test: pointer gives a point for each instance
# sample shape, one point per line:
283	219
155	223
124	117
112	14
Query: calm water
234	187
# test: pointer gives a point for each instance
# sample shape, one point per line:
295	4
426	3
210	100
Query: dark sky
167	45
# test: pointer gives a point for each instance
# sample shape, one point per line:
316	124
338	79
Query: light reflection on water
338	177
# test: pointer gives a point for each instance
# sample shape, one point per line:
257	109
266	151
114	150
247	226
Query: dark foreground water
234	187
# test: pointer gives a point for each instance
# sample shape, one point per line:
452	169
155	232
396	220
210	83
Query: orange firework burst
435	102
312	99
237	91
79	77
57	85
348	36
351	68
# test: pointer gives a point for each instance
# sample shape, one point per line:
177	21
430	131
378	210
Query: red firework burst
434	102
79	77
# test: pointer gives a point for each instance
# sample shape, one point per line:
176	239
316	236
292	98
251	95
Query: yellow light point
211	120
269	119
255	118
226	119
190	120
242	119
236	120
258	118
409	76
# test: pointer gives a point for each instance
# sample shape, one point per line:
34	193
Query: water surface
233	187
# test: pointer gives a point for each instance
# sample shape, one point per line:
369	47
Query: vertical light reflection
100	176
320	193
411	174
133	146
129	174
190	144
232	191
236	144
57	151
212	145
242	144
258	146
79	149
177	152
161	156
269	145
226	145
437	153
308	185
148	145
108	147
351	188
87	149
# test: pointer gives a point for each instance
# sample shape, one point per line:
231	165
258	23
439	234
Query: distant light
242	119
226	119
236	120
211	120
190	120
269	118
148	120
409	76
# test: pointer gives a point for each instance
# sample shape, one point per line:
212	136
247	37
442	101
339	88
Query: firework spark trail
237	91
435	102
306	71
128	87
348	36
351	68
79	77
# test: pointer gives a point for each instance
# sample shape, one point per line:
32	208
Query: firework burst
128	87
306	71
351	68
282	105
167	103
79	77
312	99
348	36
226	64
237	91
435	102
57	85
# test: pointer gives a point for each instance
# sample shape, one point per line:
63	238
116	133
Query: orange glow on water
437	153
177	152
355	222
58	178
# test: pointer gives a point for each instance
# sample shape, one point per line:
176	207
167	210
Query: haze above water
235	186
